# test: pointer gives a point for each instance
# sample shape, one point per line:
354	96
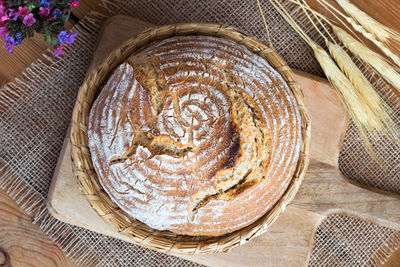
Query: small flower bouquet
19	19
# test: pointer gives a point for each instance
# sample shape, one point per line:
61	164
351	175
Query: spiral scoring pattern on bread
196	135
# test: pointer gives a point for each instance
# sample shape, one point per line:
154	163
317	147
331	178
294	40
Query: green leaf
30	32
16	26
64	19
35	26
31	6
12	33
48	38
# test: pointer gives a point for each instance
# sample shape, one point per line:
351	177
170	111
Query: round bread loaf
196	135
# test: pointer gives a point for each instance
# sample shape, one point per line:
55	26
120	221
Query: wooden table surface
22	243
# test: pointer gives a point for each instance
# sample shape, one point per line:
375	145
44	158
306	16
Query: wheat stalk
265	24
319	16
370	57
379	120
359	112
380	31
367	27
342	85
303	4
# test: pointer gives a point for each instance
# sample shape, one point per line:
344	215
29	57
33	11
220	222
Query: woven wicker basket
139	232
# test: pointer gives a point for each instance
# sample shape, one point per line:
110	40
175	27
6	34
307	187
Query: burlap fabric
35	112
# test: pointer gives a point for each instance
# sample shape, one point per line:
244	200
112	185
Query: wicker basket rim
139	232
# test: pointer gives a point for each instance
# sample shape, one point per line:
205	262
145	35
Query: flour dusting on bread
196	135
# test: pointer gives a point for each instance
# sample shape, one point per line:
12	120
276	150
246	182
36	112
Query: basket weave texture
137	231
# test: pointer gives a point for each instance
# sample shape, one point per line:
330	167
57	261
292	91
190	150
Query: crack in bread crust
157	145
232	181
147	72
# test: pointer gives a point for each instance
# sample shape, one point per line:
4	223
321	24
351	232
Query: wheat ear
359	112
365	29
379	44
380	31
357	108
378	119
370	57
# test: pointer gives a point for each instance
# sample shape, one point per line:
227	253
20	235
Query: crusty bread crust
195	135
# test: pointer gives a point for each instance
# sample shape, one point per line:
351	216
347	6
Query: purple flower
56	12
59	50
9	48
45	3
52	18
74	3
12	13
23	11
44	11
10	43
62	36
29	20
4	31
8	14
18	38
4	17
9	40
2	9
65	36
71	37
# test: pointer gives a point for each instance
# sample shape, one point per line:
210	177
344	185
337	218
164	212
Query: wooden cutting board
289	240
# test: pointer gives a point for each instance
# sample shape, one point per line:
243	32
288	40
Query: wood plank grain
325	191
23	55
286	244
23	243
87	6
326	141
